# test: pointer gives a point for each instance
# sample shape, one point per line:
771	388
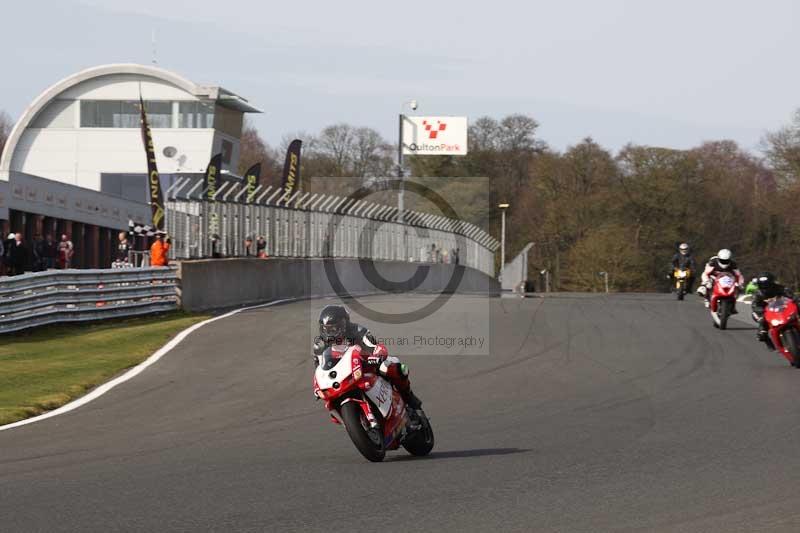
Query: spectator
215	246
123	250
159	250
327	250
65	252
248	246
456	258
38	253
432	254
50	252
7	244
445	256
18	256
261	247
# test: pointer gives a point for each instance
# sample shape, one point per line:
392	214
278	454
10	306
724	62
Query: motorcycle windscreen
726	282
777	305
332	355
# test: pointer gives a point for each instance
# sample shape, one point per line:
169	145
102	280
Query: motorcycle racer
768	287
683	260
722	262
336	329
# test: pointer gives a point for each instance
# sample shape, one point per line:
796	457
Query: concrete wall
516	272
218	283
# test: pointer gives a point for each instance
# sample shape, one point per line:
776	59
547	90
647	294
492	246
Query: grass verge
46	368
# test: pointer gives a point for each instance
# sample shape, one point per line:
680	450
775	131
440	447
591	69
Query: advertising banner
153	179
434	135
291	170
251	182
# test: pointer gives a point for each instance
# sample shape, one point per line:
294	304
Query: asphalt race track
592	413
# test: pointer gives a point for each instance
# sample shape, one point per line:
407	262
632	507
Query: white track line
135	371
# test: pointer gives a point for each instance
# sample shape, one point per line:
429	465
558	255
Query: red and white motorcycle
372	411
784	328
723	299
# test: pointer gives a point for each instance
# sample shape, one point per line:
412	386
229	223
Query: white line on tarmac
135	371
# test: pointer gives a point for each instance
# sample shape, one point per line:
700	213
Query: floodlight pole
503	208
400	174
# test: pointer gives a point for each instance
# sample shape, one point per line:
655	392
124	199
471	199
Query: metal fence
79	295
319	225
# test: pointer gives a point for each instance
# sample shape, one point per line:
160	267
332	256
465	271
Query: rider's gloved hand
319	346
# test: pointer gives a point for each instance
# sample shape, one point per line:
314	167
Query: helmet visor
332	331
764	282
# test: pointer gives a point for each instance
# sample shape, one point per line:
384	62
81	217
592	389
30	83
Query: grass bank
46	368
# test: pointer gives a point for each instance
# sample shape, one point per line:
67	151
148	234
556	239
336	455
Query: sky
670	74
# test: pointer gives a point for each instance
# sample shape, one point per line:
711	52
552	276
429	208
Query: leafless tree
5	129
782	149
253	149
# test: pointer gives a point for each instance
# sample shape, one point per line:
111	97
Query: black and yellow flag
211	180
291	170
153	179
251	182
211	184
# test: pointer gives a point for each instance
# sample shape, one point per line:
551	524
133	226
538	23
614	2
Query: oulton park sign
434	135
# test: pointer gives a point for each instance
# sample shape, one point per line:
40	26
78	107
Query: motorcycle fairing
381	395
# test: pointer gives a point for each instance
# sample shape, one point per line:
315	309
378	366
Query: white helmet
683	248
724	257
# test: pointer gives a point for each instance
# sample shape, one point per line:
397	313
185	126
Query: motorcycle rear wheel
359	430
792	344
421	441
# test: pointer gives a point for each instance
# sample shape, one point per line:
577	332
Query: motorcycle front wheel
368	441
790	342
724	311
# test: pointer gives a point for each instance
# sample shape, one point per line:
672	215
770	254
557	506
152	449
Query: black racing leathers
683	262
714	266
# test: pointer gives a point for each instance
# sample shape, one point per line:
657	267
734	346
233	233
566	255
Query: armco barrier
221	283
79	295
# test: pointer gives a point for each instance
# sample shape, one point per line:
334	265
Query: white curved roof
224	97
